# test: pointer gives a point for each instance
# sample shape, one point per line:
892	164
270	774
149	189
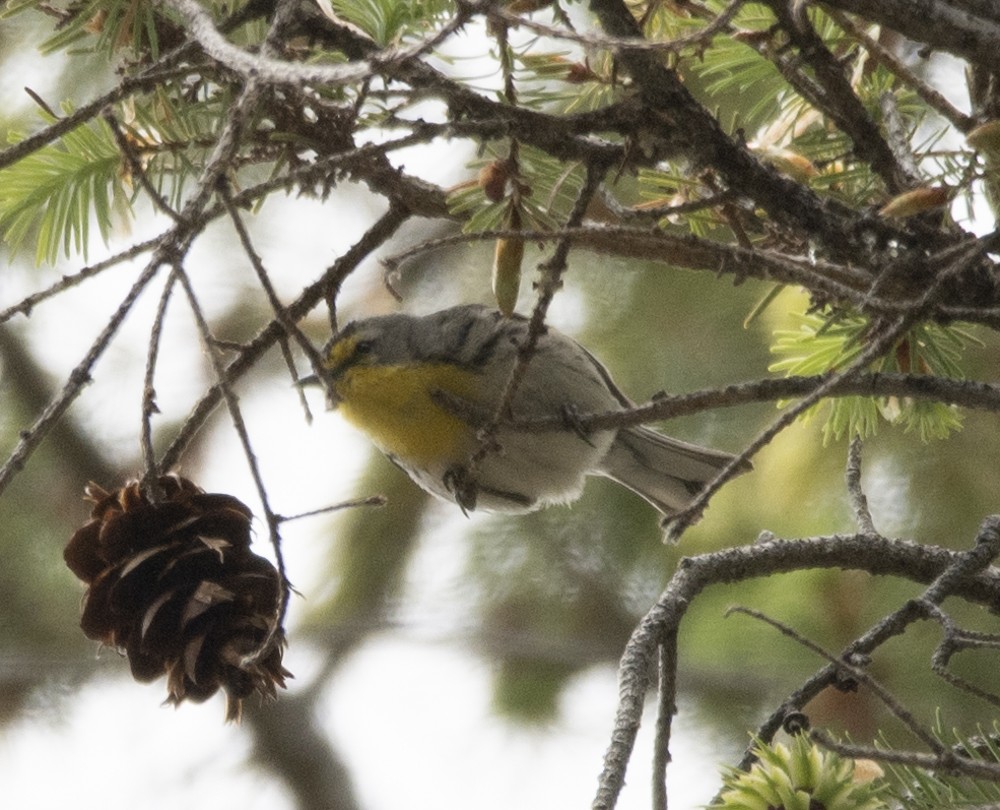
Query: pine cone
174	585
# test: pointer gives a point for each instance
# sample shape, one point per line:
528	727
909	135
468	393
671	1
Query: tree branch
966	393
682	126
971	32
861	552
838	101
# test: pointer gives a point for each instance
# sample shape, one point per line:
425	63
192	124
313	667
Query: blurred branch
54	411
289	741
683	126
29	384
934	99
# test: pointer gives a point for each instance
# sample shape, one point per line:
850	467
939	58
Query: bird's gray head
383	340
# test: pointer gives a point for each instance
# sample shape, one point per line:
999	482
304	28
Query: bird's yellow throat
393	405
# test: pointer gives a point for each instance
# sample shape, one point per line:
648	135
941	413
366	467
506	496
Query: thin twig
827	88
955	640
77	379
962	569
698	39
856	495
551	274
838	280
371	500
380	231
934	99
271	519
965	393
280	312
289	359
211	178
675	525
948	762
856	673
151	474
29	302
135	166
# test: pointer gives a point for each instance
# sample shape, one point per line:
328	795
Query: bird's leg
462	485
571	421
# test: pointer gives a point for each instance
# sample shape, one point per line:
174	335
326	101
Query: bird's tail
666	472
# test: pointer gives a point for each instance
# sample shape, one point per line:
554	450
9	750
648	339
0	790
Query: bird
427	390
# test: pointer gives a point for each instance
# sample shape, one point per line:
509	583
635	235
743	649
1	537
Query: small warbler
423	389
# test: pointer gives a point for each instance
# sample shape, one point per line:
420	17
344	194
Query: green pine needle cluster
101	26
56	192
56	195
827	341
800	776
561	81
389	21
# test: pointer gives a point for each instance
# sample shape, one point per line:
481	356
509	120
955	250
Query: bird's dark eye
344	351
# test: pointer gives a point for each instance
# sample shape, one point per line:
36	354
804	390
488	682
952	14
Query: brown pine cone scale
173	584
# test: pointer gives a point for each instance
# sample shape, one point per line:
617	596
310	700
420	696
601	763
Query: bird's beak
326	384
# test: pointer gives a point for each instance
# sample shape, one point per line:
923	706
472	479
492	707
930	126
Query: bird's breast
394	406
